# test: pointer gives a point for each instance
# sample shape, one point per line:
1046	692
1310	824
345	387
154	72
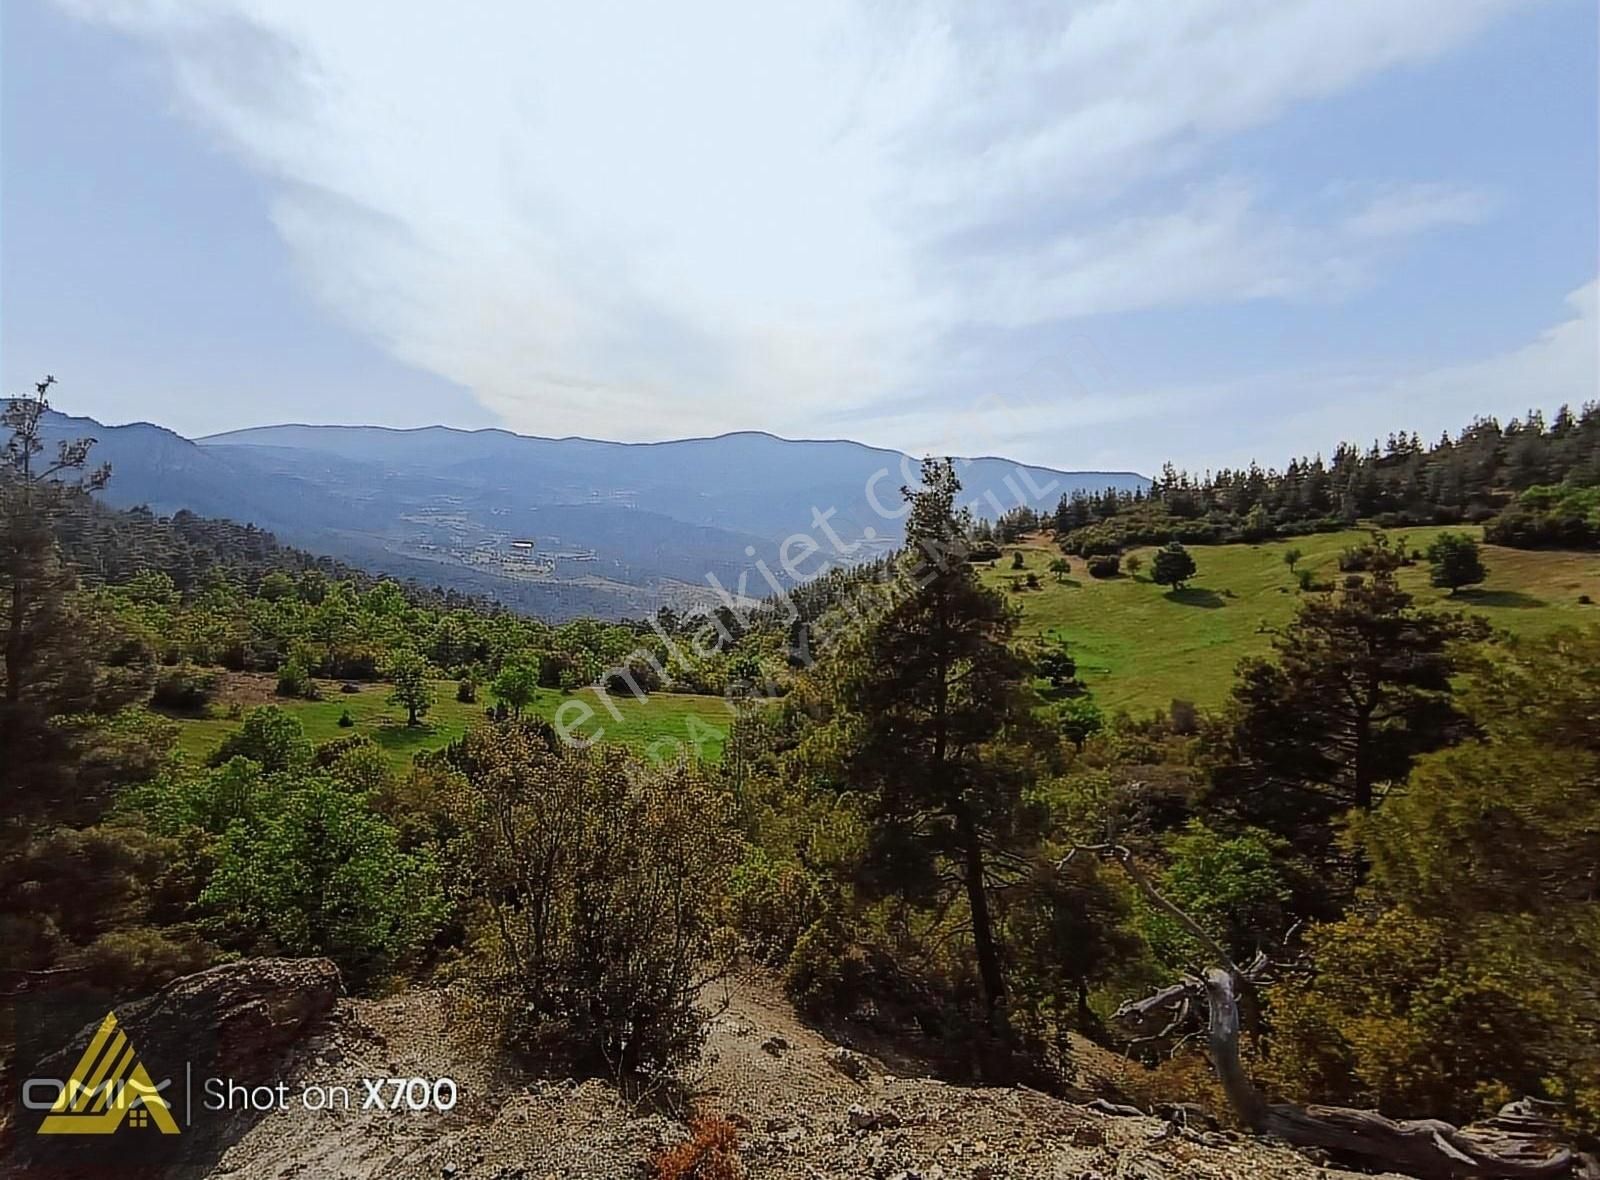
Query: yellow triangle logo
108	1086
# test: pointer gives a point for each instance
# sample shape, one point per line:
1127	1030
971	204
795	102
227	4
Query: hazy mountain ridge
558	526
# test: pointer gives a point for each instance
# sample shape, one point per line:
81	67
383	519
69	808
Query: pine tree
1358	686
926	691
47	669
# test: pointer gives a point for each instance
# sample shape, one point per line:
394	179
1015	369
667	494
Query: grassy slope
696	723
1138	645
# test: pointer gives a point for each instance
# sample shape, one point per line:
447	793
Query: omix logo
108	1086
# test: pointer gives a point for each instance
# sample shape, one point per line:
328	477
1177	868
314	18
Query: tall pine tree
928	692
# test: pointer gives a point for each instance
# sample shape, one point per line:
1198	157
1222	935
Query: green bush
828	973
269	737
184	689
771	904
323	875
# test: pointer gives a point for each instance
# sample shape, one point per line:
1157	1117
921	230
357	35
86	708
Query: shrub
467	691
346	721
1455	562
323	875
1104	565
137	961
600	879
639	677
270	737
1172	566
711	1153
185	689
1017	562
771	904
827	972
294	680
1056	664
1402	1016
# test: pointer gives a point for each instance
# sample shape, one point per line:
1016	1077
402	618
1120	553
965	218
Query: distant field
698	724
1139	645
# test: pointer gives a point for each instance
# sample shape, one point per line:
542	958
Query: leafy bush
295	681
185	689
1104	565
323	876
467	691
1172	566
269	737
828	972
771	904
1563	516
136	961
1398	1015
1230	885
1456	562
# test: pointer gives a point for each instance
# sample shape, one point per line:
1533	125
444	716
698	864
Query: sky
1097	234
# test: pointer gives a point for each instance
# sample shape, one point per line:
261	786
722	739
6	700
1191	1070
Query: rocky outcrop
236	1020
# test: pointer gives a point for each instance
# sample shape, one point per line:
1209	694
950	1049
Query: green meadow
1139	645
657	726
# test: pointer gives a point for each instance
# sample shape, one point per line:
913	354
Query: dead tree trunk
1423	1147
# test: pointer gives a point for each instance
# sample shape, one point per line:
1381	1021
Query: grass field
1139	645
659	725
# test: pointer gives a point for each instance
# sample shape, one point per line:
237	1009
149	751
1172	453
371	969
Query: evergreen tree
1172	567
1358	686
927	691
48	664
1455	561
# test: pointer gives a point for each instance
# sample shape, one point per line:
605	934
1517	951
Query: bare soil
806	1108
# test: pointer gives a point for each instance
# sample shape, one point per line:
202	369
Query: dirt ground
807	1108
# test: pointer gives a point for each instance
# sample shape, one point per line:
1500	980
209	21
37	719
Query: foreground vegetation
1390	810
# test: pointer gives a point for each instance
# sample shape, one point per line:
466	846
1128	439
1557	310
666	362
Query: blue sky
1084	234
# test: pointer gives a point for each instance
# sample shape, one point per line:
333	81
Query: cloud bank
640	221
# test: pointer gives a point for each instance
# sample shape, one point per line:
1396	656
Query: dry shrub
599	880
1184	1077
710	1153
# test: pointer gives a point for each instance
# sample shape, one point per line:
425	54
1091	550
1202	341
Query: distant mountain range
555	526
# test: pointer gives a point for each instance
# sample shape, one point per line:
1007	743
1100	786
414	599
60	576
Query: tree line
1531	482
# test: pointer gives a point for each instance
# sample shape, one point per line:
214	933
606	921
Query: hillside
1139	646
801	1105
559	527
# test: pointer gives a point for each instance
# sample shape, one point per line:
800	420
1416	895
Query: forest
1369	881
1532	483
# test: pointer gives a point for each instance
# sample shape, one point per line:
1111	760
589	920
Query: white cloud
1402	210
1270	416
647	220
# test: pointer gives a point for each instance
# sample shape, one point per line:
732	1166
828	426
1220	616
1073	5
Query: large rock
236	1020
